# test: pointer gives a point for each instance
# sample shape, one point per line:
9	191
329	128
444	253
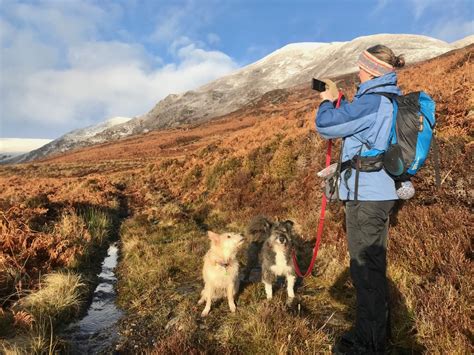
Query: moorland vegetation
161	191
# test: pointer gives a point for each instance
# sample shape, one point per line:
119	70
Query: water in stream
97	331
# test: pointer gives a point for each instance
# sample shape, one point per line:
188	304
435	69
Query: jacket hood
385	83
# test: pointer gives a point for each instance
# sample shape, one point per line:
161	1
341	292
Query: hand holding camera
327	88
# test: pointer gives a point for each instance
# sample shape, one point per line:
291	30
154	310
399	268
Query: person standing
368	193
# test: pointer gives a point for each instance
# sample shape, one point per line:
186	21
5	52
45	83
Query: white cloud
122	88
178	43
64	21
172	22
167	28
72	79
183	20
452	30
106	85
108	54
24	53
6	31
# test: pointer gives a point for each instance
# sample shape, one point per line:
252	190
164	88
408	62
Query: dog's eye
228	237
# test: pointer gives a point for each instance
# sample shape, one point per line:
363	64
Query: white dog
221	270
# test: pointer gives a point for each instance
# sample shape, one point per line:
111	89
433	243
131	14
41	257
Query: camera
318	85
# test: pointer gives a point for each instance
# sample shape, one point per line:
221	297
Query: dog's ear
259	227
214	237
268	224
288	224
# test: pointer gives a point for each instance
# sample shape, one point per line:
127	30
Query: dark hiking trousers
367	230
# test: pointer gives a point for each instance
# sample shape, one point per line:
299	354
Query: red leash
321	218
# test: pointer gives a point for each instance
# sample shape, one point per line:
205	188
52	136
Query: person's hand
332	92
327	95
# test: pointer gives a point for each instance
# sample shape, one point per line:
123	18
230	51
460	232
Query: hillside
284	68
261	159
77	138
289	109
292	65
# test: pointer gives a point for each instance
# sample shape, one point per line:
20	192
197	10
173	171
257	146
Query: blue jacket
366	123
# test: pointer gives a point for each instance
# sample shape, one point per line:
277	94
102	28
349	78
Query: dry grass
160	285
59	295
46	225
259	160
38	340
58	299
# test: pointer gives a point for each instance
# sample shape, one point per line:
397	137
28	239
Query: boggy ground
259	160
54	234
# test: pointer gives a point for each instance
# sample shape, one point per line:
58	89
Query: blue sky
66	64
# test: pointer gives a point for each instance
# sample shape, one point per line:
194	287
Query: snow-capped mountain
11	147
463	42
291	65
75	139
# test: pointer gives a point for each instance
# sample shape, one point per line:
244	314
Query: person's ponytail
399	61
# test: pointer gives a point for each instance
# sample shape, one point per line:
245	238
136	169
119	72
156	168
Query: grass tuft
98	223
59	297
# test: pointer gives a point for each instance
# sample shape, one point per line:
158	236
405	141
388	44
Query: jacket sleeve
349	119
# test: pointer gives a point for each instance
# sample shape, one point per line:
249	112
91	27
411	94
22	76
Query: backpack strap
356	187
393	99
373	87
348	165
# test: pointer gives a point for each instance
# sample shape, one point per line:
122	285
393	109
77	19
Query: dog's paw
232	307
201	301
290	301
205	312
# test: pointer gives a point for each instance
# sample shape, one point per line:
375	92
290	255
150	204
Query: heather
57	214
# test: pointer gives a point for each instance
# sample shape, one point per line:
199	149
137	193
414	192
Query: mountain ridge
293	64
74	139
